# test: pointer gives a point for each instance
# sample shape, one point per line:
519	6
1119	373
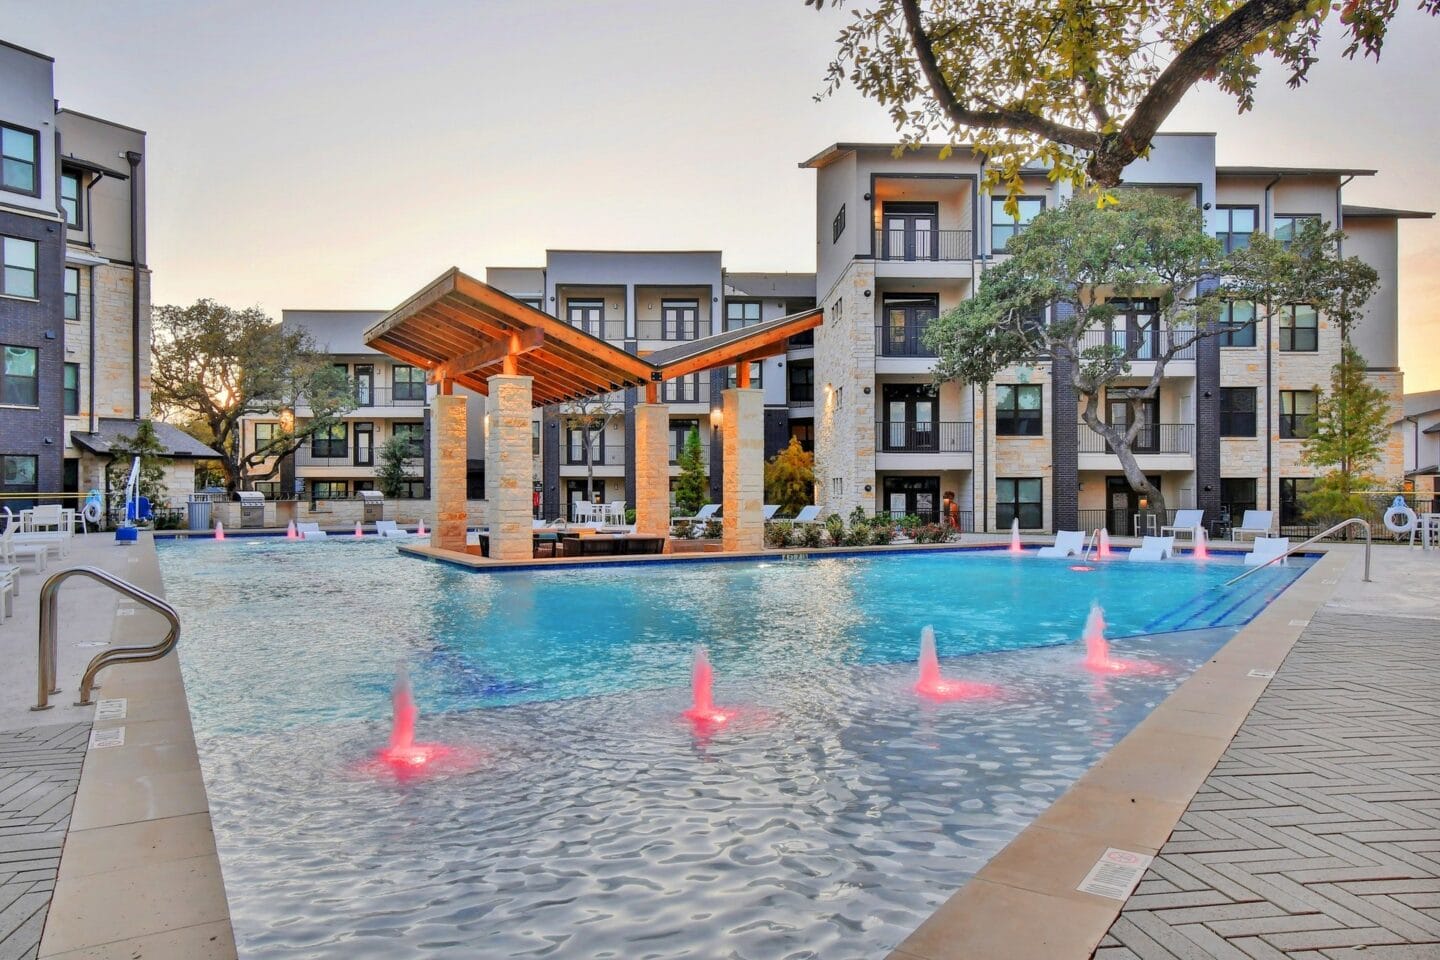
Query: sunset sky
331	154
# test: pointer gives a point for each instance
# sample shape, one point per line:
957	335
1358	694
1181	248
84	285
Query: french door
364	444
1117	413
910	231
905	321
911	411
915	496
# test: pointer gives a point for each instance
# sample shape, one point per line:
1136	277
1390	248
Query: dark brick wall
25	323
1207	427
717	447
552	493
1064	447
777	430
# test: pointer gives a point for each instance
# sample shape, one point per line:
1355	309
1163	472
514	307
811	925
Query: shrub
713	529
835	529
931	533
683	529
909	524
777	535
630	515
881	534
858	535
811	535
857	516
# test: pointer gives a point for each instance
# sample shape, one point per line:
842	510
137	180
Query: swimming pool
828	820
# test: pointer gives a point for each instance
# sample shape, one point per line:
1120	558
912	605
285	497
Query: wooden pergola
466	332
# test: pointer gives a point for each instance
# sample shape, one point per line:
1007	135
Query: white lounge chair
1187	522
1153	549
388	528
310	531
1068	543
1267	549
770	509
51	541
810	514
13	550
1255	522
706	512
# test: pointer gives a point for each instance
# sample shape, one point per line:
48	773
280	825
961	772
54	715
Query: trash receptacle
199	511
372	505
252	508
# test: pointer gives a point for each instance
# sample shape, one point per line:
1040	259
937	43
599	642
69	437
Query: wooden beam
500	350
771	343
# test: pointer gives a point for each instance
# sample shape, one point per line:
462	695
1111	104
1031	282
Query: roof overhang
91	167
1383	213
464	331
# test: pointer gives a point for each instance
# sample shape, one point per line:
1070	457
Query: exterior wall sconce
867	196
716	415
867	293
867	391
868	488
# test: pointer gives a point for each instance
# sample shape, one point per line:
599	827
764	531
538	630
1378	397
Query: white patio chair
1267	549
12	552
769	510
1257	523
582	511
1068	543
51	541
389	528
310	531
1153	550
810	514
616	512
706	512
1187	522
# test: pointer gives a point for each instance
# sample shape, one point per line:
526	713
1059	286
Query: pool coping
139	872
1024	904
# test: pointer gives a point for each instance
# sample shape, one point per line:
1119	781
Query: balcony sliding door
910	231
910	416
906	320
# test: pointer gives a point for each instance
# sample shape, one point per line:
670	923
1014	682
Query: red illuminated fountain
420	530
935	687
291	533
1104	551
219	530
403	757
1015	535
1201	551
703	713
359	530
1097	649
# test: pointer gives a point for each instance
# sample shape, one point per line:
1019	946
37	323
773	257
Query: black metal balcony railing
924	436
668	330
967	518
897	341
605	329
341	456
924	245
678	447
606	457
693	389
1144	344
1152	438
411	395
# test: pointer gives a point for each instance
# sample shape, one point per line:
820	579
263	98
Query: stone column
652	469
742	428
507	467
447	471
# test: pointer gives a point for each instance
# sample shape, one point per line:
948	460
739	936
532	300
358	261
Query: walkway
1317	836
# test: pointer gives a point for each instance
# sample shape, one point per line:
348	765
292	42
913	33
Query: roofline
844	146
83	164
333	310
1247	170
27	50
549	250
111	123
1384	213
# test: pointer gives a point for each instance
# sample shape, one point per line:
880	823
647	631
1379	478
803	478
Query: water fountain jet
1097	649
420	530
703	711
219	530
1015	535
1104	552
291	533
359	530
1202	550
934	686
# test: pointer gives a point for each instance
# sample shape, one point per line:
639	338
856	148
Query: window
269	489
72	293
1297	414
741	313
1293	491
535	302
329	489
534	442
20	257
839	397
409	383
837	486
415	489
19	382
1233	226
1017	410
587	315
1237	412
331	441
1237	494
19	473
1299	328
19	160
70	198
1237	319
757	376
1019	498
1288	226
802	383
804	431
680	435
679	319
837	226
692	388
1004	225
415	434
265	434
71	392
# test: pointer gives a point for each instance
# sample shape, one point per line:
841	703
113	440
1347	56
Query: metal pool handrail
1319	536
49	614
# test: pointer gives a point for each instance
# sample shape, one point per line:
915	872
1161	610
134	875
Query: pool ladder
1365	524
1092	544
49	614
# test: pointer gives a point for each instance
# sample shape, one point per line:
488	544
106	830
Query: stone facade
844	394
652	469
508	485
448	440
743	429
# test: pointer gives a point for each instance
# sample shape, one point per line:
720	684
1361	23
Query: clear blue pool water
827	823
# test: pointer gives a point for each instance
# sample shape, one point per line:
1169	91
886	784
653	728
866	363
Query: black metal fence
1152	438
924	436
924	245
898	341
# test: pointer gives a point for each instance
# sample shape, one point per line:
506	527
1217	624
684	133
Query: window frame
34	162
1006	510
1250	504
1011	418
79	201
1230	327
71	306
6	486
1227	418
1288	422
329	485
409	383
744	323
274	426
676	309
1290	509
1228	209
580	305
70	394
806	396
414	432
5	268
327	436
1017	226
1288	332
1295	221
6	377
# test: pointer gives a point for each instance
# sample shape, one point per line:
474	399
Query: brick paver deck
1317	836
39	771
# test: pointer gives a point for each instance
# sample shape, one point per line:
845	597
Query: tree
591	416
152	453
393	472
212	365
692	487
1349	434
1081	262
790	478
1076	86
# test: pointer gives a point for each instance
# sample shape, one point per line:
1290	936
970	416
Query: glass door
909	231
910	418
364	384
914	496
364	444
906	320
1117	413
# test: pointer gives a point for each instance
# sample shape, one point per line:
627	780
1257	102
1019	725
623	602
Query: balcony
692	389
604	457
1145	344
924	445
604	329
677	446
1152	438
344	456
907	341
911	246
367	396
668	331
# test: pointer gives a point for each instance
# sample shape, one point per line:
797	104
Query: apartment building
390	399
899	240
1418	433
74	293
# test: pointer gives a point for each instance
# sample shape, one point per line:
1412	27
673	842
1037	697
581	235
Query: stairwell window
19	160
1018	410
19	376
72	293
1237	319
21	261
70	199
1019	498
71	392
1297	414
1237	412
1299	328
1004	226
1233	225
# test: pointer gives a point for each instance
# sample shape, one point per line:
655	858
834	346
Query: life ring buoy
1400	518
91	513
